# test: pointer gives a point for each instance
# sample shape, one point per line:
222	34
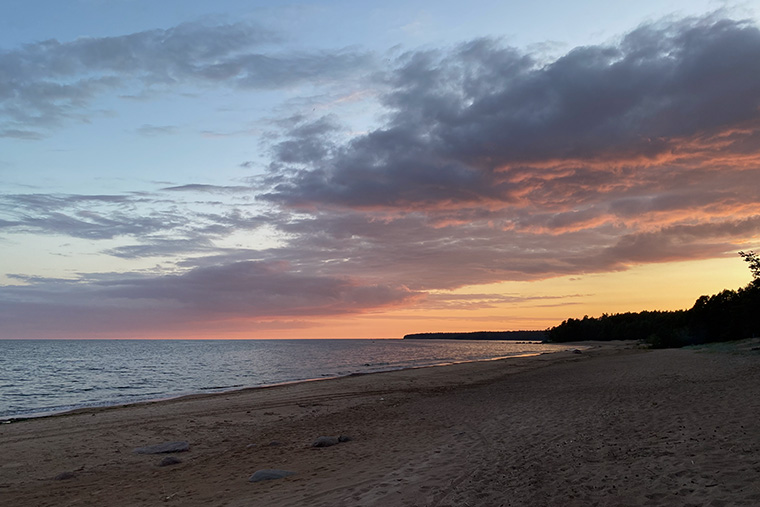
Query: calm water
39	377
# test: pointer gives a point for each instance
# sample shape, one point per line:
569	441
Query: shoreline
221	391
614	425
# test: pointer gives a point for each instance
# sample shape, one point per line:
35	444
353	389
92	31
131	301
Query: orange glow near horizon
665	286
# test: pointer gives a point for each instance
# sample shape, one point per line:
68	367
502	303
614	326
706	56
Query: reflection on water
43	376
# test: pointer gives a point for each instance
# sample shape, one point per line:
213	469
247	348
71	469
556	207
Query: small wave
128	377
214	388
31	395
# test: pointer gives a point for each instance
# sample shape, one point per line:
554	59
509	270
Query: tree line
480	335
728	315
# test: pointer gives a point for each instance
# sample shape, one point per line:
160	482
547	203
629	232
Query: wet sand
612	426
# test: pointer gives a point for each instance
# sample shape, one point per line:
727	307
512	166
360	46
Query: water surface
39	377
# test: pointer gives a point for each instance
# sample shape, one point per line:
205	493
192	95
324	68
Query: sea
45	377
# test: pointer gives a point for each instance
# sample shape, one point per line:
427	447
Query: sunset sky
337	169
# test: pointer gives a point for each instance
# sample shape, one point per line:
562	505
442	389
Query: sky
348	169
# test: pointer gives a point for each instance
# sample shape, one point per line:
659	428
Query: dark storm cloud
462	121
495	165
44	83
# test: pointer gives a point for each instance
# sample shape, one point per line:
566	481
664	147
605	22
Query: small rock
269	474
169	460
180	446
325	442
274	443
577	351
64	476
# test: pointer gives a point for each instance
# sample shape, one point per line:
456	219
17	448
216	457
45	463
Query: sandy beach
611	426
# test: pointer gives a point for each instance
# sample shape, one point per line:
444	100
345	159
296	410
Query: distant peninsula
481	335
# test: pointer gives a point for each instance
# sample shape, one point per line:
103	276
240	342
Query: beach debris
269	474
330	441
325	442
179	446
64	476
169	460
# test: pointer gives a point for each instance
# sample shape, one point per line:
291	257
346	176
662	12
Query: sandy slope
611	426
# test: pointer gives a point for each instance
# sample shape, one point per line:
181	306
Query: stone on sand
269	474
169	460
180	446
330	441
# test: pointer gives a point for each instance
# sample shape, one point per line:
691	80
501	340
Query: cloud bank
491	165
489	126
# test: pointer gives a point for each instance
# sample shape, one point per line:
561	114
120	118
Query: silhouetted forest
728	315
481	335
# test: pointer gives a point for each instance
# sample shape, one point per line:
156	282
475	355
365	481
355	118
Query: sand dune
611	426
